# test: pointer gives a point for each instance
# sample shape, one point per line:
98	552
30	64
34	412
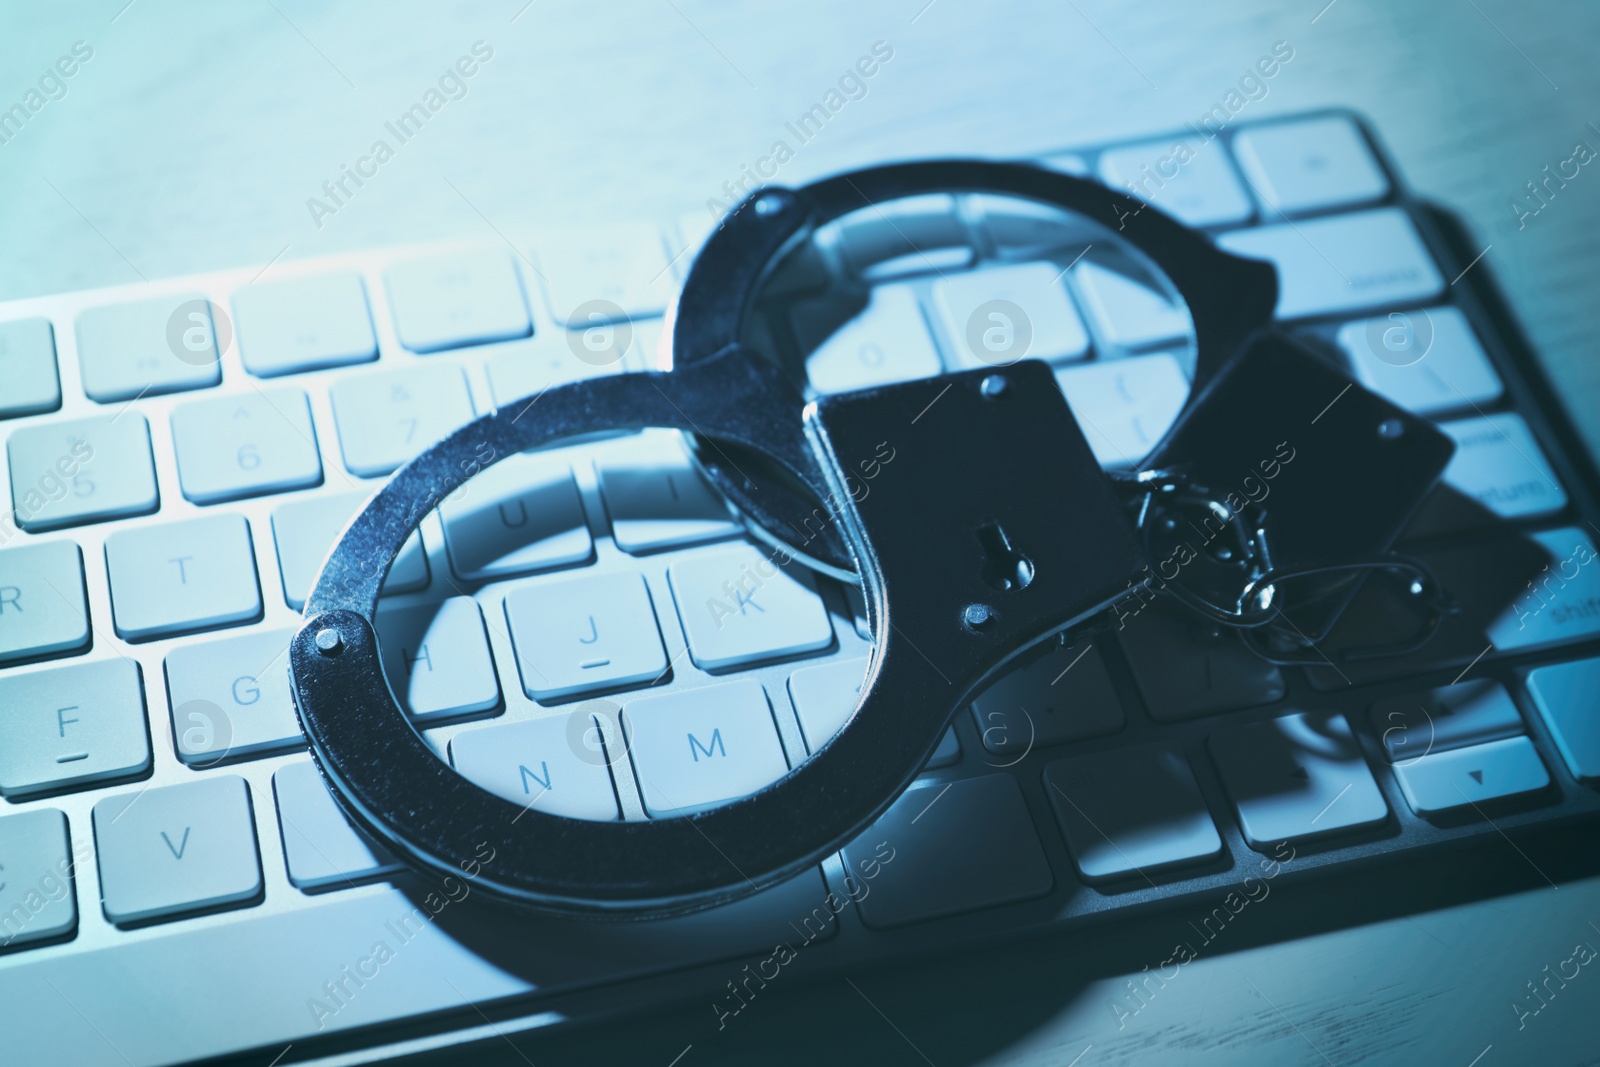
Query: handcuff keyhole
1004	567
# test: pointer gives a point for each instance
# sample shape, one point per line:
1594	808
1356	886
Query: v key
182	846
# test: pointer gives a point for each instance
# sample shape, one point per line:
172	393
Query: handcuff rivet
769	205
329	643
992	386
977	616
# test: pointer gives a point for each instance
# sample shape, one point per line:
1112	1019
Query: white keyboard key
825	698
181	576
1027	229
1425	361
1560	603
739	606
386	418
1343	263
322	849
28	367
70	726
524	369
696	748
1305	166
1126	312
305	531
438	660
231	697
583	635
1568	698
1067	163
1462	777
462	298
246	445
1195	184
1500	465
520	515
176	850
1297	777
303	324
910	235
546	764
887	342
656	497
36	901
1125	405
131	350
1412	725
996	316
43	609
622	264
81	470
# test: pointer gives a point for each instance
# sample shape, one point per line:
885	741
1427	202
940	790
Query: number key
242	446
385	419
81	470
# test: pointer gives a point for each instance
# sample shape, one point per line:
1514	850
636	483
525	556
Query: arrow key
1444	781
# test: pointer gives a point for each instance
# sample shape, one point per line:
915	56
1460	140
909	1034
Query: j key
28	367
1131	812
81	470
231	697
1468	777
176	850
36	899
1127	312
1125	405
911	235
1297	777
322	849
304	532
1186	668
887	342
1565	696
458	299
1426	361
1063	695
161	345
554	764
386	418
438	660
1306	166
71	726
524	369
521	515
181	576
948	847
43	609
246	445
1413	725
1195	183
656	497
739	607
997	316
623	265
695	748
1342	263
304	324
584	635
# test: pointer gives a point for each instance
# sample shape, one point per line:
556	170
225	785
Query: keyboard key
386	418
304	532
70	726
547	764
1125	406
1066	163
621	264
523	369
1499	465
43	608
1027	229
949	847
910	235
240	446
946	754
584	635
28	367
656	497
1424	361
161	345
1568	698
739	607
1131	812
462	298
695	748
231	697
1306	166
1481	774
887	342
1185	668
1127	312
322	849
1193	183
1063	695
521	515
825	698
81	470
438	660
177	850
36	901
304	324
177	577
1297	777
1413	725
1343	263
996	316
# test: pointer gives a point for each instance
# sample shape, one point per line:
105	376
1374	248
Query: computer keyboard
176	883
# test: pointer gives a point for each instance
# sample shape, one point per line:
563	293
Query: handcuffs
994	531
